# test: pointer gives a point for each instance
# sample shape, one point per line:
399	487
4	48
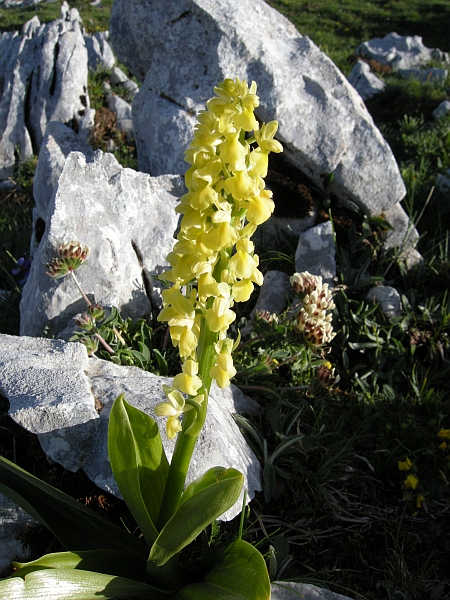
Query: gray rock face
284	590
367	84
44	78
56	391
404	236
100	54
388	298
123	114
161	141
316	253
273	293
113	211
58	143
13	523
400	52
184	48
425	75
442	110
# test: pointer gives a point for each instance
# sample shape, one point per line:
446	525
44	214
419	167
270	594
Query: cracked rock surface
57	392
119	214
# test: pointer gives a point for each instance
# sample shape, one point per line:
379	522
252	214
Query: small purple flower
22	268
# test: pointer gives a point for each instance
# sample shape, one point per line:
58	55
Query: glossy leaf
238	573
212	494
76	526
108	562
73	584
139	464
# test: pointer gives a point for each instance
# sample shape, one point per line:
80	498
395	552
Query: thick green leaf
212	494
139	464
76	526
108	562
70	584
162	363
239	573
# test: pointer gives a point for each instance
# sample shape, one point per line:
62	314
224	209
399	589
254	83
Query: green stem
192	424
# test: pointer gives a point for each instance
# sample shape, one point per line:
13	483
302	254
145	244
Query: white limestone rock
400	52
56	391
184	48
424	75
13	523
273	295
122	109
316	252
388	298
59	141
100	54
290	590
43	79
442	109
52	389
404	236
112	210
367	84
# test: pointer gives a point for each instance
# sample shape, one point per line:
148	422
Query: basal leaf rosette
213	263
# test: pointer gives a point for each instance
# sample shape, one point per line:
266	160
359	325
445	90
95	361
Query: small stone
367	84
424	75
118	77
273	295
122	109
283	590
442	109
388	298
404	236
400	52
316	252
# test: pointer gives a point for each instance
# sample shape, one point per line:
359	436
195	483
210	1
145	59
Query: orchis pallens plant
213	265
213	259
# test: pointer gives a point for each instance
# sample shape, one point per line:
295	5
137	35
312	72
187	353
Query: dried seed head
85	322
96	312
71	256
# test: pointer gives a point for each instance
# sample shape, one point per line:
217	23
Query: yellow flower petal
411	482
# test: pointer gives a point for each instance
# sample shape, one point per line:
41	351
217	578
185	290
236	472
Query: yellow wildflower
419	501
220	316
225	202
405	465
444	433
172	409
411	482
223	370
188	381
443	446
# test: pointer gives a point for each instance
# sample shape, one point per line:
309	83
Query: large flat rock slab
183	49
57	392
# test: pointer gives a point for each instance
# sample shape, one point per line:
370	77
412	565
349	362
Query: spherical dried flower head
313	320
71	256
96	312
267	316
325	375
305	282
316	330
